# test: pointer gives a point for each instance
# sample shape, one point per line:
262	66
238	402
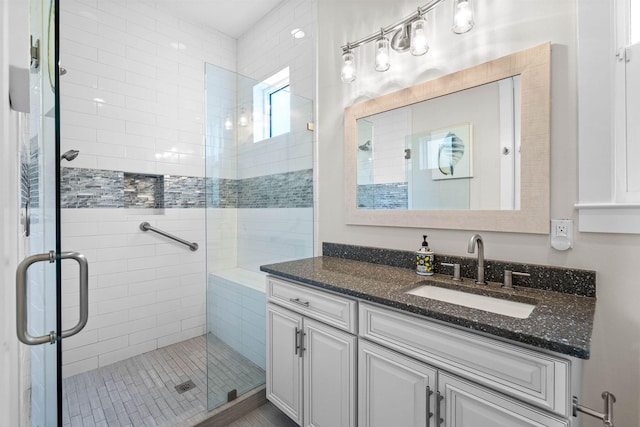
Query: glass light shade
348	67
243	120
228	124
462	16
419	44
382	54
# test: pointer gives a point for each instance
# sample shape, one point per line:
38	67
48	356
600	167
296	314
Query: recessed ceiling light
297	33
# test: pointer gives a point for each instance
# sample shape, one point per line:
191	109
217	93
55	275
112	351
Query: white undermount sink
505	307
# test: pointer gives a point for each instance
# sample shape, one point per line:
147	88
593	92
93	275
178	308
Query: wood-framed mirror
469	150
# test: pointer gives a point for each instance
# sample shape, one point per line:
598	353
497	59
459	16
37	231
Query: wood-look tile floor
265	416
140	391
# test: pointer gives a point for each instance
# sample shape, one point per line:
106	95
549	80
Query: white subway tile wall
145	291
133	100
274	235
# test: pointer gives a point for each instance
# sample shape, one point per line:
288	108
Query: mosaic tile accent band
393	195
94	188
91	188
285	190
184	192
222	193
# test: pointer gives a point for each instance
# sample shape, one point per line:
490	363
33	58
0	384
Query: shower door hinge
311	126
34	53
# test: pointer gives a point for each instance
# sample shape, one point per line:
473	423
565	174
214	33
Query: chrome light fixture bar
408	34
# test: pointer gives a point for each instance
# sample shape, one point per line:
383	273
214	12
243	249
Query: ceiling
231	17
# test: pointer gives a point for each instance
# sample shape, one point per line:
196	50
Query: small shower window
272	106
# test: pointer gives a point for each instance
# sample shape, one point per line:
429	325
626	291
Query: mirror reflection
460	151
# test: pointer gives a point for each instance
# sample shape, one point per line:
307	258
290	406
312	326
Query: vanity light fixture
462	16
419	44
348	66
408	34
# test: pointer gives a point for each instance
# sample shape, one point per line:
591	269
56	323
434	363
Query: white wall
148	68
502	27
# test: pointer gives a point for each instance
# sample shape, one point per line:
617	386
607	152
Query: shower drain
185	386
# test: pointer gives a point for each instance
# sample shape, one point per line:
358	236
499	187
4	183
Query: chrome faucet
472	247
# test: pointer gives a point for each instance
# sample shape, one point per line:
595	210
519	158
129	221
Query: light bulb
419	44
243	120
382	54
348	67
462	16
228	125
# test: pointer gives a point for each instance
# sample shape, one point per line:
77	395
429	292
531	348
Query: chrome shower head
365	147
70	155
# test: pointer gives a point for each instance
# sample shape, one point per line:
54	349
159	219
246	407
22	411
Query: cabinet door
329	376
469	405
284	364
393	390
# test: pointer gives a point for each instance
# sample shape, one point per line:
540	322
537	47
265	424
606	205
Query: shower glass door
39	181
259	193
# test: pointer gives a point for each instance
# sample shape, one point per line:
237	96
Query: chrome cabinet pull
296	342
439	419
299	302
429	413
301	346
21	297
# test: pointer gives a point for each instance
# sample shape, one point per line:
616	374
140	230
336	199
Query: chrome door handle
84	292
21	297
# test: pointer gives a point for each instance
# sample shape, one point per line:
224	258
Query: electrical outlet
562	230
561	234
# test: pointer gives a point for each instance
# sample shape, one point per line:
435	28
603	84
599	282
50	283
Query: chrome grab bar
21	297
145	226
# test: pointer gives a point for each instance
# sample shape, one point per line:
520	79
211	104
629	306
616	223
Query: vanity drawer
534	377
320	305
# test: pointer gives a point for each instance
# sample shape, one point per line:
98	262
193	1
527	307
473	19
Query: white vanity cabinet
465	404
479	381
393	389
311	365
411	371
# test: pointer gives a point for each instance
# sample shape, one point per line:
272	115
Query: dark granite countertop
560	322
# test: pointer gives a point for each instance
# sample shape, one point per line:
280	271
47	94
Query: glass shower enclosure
259	210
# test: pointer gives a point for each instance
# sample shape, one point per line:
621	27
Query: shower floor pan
141	391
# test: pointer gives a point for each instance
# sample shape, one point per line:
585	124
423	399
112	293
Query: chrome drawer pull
299	302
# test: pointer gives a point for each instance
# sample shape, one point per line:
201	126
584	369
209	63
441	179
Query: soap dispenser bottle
424	259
